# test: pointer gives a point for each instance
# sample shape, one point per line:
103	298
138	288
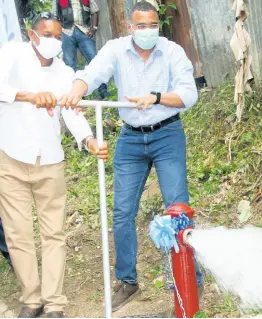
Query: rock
3	307
147	276
214	288
244	210
161	279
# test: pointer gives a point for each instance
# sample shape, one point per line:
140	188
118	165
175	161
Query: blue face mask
146	39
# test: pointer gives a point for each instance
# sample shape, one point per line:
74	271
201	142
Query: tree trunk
22	8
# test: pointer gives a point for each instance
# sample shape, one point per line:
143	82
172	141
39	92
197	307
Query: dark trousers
3	247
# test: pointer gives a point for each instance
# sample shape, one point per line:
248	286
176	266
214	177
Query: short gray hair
142	6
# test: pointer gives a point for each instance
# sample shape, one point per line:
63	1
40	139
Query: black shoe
55	314
104	94
124	293
27	312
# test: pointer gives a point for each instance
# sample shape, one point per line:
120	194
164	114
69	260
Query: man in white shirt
32	161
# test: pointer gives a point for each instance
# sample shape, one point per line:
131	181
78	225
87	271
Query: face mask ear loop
37	36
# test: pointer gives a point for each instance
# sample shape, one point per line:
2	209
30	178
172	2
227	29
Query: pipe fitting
184	235
187	234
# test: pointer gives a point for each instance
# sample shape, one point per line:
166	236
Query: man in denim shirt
157	75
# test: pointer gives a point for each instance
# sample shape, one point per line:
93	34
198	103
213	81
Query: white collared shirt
25	131
167	70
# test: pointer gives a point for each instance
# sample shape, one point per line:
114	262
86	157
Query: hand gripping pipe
184	267
99	105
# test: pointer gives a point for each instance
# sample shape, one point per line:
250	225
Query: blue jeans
87	46
3	247
135	154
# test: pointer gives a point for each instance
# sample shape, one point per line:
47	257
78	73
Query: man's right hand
79	89
70	100
43	100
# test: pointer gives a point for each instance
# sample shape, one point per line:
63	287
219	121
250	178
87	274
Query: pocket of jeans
124	131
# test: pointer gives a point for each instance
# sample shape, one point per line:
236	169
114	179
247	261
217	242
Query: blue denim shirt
167	70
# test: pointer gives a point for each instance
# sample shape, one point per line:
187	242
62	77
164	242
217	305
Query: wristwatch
95	27
158	97
85	144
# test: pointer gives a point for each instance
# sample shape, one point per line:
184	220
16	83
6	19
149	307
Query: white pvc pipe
111	104
102	188
103	212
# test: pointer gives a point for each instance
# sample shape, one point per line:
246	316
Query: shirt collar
130	46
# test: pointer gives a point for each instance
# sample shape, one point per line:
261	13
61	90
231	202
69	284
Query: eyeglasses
45	15
143	26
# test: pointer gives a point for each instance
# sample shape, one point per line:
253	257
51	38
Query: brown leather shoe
27	312
55	314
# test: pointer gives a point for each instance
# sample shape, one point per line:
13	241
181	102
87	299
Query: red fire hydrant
184	270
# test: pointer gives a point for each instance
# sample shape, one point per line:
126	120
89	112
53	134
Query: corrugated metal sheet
182	34
255	30
213	23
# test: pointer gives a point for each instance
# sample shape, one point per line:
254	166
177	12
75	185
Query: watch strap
158	97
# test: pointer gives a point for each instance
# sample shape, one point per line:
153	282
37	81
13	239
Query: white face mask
146	39
48	47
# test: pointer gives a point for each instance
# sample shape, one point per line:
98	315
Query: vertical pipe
185	276
184	270
102	189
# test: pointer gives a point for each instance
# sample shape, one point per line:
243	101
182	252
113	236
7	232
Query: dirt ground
84	279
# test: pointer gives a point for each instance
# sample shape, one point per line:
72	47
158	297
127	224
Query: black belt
154	127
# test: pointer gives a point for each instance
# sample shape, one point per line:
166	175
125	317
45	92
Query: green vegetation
224	159
165	18
41	5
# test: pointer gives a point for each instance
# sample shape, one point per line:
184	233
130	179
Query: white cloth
240	44
25	131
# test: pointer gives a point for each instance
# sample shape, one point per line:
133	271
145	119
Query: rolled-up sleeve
7	59
101	68
94	8
182	79
77	125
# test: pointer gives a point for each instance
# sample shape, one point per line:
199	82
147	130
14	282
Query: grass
224	158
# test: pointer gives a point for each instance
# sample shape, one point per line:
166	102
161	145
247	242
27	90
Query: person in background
80	23
32	161
156	74
3	246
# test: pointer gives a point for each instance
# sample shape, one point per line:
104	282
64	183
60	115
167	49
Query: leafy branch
166	19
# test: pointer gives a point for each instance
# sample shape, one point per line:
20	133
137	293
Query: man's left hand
101	152
143	102
91	33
